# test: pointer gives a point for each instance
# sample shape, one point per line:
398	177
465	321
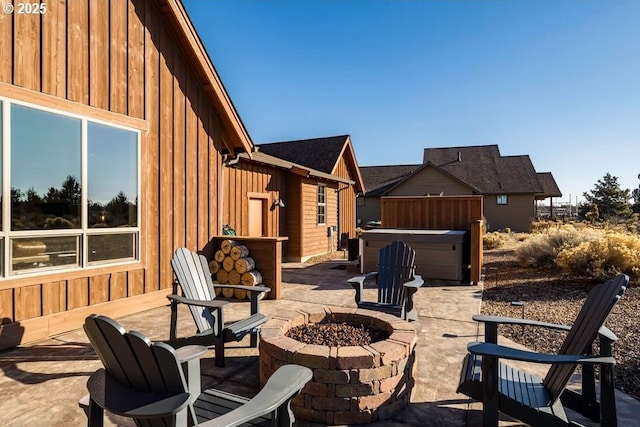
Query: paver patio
42	382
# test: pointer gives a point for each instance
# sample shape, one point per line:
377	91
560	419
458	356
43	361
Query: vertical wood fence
439	213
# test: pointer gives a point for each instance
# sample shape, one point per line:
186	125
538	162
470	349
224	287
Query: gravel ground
553	297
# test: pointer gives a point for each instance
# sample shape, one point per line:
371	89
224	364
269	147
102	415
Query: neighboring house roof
307	151
378	180
237	138
298	169
481	168
485	170
320	154
549	186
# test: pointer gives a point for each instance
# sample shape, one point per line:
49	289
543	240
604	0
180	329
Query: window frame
7	236
321	217
502	199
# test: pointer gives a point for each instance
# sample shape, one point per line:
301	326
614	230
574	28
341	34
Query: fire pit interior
363	362
336	334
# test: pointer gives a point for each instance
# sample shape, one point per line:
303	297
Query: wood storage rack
233	265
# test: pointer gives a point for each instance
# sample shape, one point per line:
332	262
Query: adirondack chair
193	276
156	385
541	401
395	279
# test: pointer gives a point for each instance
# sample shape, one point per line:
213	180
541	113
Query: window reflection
104	247
113	182
44	252
49	153
45	170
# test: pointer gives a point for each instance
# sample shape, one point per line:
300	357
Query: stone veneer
351	384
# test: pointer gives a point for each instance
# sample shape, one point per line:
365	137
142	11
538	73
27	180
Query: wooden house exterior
322	182
284	196
97	70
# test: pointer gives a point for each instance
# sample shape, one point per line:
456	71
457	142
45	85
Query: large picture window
72	190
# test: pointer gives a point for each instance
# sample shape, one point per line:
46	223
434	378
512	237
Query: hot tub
440	254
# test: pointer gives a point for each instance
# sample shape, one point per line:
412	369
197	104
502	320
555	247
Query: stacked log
232	265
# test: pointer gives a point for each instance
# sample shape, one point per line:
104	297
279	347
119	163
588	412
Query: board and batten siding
347	215
120	62
249	179
314	239
292	248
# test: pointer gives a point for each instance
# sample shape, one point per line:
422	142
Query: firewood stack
231	264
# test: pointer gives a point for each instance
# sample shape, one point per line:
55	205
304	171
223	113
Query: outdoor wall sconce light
278	203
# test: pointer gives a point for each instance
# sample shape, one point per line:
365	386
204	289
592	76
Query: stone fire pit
351	384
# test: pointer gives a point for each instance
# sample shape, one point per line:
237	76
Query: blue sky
557	80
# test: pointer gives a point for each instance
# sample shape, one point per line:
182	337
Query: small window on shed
322	203
501	199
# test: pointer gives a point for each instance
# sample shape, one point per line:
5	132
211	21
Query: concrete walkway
41	383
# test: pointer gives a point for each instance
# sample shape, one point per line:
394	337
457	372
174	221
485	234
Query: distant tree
636	198
33	197
70	191
52	196
16	195
608	199
118	209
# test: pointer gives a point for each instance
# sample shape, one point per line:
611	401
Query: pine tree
610	200
636	198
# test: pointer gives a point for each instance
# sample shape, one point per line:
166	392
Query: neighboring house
378	181
509	184
117	127
319	192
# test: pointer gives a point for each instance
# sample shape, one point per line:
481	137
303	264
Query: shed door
256	217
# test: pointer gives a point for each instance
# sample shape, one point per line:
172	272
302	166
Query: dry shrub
601	258
493	240
543	247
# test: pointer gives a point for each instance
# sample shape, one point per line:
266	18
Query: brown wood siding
121	58
517	214
247	177
6	47
347	214
77	51
293	246
99	47
439	213
429	181
26	51
314	235
54	31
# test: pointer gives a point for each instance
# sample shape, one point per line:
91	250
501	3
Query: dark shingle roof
485	170
317	153
378	180
549	186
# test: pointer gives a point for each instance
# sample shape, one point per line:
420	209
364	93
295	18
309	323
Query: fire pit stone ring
351	384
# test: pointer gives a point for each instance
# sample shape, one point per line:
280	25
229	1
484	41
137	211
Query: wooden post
476	251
